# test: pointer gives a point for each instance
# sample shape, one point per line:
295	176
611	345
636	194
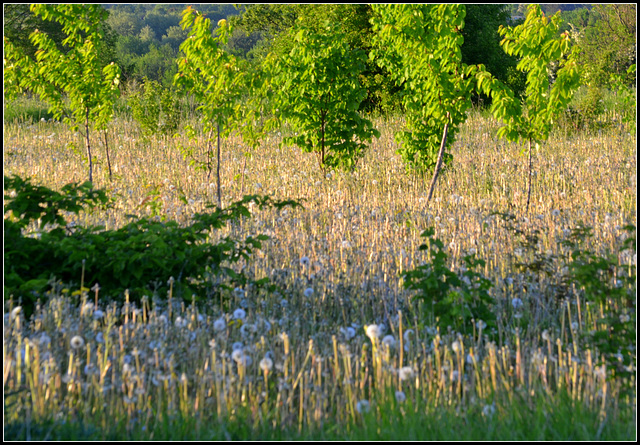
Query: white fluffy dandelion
15	312
400	396
237	355
239	314
405	373
389	341
77	342
372	331
308	292
348	332
363	406
266	364
220	324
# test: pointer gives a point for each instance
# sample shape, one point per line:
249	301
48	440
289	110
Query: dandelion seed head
237	355
239	314
389	341
308	292
372	331
77	342
348	332
405	373
220	324
266	364
400	396
15	312
488	410
406	334
363	406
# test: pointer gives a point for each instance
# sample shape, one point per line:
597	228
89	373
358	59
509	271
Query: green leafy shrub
612	288
599	279
139	256
155	108
318	92
455	299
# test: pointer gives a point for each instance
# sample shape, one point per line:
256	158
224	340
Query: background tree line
145	40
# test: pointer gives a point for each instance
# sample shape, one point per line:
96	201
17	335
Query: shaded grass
536	418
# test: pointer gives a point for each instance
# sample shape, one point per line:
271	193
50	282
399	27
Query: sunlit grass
139	370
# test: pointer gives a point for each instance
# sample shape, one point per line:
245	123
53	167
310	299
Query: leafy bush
612	288
139	256
156	109
318	92
454	299
600	280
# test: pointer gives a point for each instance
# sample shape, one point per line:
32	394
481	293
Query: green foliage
454	299
537	46
536	43
212	76
482	43
606	37
77	73
29	259
605	284
420	46
611	287
139	256
155	108
318	92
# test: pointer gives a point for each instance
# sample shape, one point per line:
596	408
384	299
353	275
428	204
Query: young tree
420	46
212	76
536	43
318	91
77	73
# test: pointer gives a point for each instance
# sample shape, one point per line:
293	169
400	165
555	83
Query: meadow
342	350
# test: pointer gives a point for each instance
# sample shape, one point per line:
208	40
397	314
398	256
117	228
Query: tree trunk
218	170
86	132
529	187
439	162
106	144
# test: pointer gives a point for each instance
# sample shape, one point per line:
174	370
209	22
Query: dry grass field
299	365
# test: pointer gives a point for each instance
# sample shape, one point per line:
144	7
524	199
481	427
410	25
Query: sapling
212	76
317	90
77	73
420	47
537	46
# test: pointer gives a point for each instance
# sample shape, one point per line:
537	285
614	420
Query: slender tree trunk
439	162
529	186
218	170
86	132
242	182
106	144
209	154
